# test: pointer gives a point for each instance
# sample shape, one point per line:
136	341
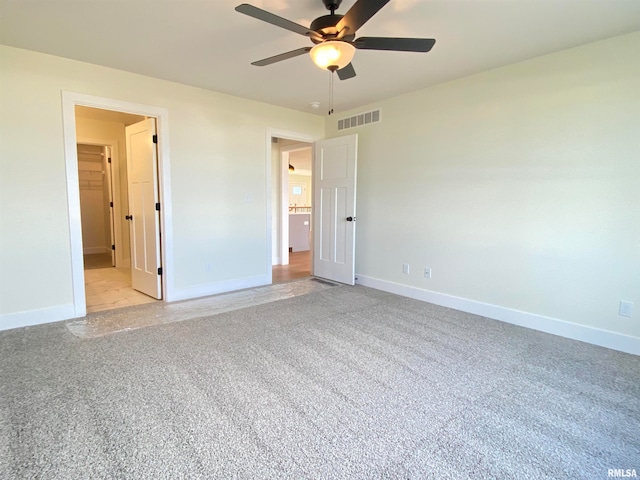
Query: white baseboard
555	326
9	321
94	250
205	290
65	312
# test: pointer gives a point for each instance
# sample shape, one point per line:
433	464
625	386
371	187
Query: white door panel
335	203
142	170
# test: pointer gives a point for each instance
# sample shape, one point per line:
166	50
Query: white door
334	191
144	226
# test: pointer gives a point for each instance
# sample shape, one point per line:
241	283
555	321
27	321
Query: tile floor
97	260
108	288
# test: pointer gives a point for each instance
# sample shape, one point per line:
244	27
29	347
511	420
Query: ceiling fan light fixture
332	53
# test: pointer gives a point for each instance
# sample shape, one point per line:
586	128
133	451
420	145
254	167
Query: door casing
69	101
287	135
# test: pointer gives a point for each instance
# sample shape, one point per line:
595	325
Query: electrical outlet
405	268
625	309
427	272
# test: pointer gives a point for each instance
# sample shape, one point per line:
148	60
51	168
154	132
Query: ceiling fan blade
282	56
345	73
268	17
358	15
397	44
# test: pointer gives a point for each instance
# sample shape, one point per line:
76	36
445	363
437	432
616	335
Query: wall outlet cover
625	309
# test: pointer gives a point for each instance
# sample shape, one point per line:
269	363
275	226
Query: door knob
128	217
351	219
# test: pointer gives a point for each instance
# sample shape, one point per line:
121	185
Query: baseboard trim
205	290
9	321
95	250
555	326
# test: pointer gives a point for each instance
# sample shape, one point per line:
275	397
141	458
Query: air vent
359	120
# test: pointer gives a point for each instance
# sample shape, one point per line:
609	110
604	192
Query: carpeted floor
347	382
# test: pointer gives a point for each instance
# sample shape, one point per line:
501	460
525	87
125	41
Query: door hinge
111	204
155	139
158	207
109	160
160	271
113	247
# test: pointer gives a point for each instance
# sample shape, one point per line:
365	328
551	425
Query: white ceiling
207	44
301	160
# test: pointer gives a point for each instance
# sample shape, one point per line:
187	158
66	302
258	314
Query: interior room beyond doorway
102	175
293	232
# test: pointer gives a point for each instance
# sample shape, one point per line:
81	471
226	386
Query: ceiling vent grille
359	120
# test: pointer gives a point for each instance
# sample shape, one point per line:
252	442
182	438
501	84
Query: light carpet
346	382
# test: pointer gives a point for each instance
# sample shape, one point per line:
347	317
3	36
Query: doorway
293	228
96	196
102	122
102	165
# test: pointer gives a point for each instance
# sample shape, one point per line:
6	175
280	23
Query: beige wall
218	177
518	187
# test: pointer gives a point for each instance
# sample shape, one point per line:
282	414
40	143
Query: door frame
285	135
69	101
108	167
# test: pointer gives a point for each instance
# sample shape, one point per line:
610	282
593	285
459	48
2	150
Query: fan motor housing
326	26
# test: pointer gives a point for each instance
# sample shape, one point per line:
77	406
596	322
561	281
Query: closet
95	197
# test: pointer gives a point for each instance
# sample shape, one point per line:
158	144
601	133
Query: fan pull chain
330	92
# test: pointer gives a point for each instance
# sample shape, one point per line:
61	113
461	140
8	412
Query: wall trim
95	250
205	290
555	326
9	321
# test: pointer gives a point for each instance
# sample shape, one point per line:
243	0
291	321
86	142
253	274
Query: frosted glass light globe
332	53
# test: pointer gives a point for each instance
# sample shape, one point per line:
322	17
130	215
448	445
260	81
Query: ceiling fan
334	36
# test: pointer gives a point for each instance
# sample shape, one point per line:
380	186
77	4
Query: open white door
142	171
334	192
